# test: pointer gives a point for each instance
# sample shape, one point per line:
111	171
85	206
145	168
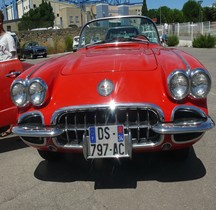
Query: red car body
9	70
118	88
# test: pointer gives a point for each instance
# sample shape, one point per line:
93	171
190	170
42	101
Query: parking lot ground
149	181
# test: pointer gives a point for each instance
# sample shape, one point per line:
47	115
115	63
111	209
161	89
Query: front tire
50	156
32	56
23	56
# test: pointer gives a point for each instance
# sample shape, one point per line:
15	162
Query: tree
144	8
191	11
167	15
209	13
177	16
40	17
153	13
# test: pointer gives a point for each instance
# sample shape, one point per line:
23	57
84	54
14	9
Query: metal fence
188	31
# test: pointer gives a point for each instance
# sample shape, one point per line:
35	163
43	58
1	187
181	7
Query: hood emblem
105	87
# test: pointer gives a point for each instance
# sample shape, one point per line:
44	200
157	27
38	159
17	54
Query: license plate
106	141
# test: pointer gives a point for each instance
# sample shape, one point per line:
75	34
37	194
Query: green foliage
167	15
209	13
191	11
172	41
68	43
40	17
177	16
204	41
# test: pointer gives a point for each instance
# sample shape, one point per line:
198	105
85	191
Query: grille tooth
75	124
66	128
147	133
95	119
138	127
137	120
127	121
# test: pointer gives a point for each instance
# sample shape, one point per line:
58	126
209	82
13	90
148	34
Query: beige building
135	9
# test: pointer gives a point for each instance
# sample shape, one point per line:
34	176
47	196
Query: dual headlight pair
196	83
32	91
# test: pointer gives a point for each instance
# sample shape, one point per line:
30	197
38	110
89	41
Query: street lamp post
160	15
200	2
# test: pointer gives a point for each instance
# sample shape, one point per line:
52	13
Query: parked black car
33	50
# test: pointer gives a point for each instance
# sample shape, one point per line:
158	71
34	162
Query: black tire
180	154
50	156
32	56
23	56
45	55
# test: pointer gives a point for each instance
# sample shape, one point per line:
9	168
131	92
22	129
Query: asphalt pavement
149	181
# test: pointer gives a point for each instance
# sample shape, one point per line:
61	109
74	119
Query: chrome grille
138	120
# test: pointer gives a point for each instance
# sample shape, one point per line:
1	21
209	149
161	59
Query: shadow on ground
11	143
110	174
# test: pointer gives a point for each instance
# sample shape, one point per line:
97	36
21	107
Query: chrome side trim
37	131
184	127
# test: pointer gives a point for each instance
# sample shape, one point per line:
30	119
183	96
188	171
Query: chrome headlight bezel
207	77
34	85
179	75
25	100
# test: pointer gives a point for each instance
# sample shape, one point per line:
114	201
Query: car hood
111	60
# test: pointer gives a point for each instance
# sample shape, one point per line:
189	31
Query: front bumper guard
160	128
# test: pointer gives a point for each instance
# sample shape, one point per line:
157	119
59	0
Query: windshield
119	29
35	44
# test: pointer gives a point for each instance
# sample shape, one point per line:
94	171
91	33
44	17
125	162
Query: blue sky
178	4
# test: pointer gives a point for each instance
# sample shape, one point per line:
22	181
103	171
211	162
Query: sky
172	4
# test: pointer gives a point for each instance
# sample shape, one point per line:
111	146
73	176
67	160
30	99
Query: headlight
200	83
37	91
178	84
19	93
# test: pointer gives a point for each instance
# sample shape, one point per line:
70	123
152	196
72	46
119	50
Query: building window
34	6
57	15
8	28
61	22
77	19
71	19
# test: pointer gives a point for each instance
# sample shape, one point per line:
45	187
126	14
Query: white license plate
106	141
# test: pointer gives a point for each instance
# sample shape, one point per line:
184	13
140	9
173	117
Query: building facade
66	12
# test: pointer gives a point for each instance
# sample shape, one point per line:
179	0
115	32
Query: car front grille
41	51
137	119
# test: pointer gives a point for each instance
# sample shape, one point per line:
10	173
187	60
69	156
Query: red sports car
9	70
121	93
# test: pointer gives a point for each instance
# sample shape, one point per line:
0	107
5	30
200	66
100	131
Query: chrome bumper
161	128
184	127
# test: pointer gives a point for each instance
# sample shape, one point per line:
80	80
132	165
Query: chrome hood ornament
105	87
